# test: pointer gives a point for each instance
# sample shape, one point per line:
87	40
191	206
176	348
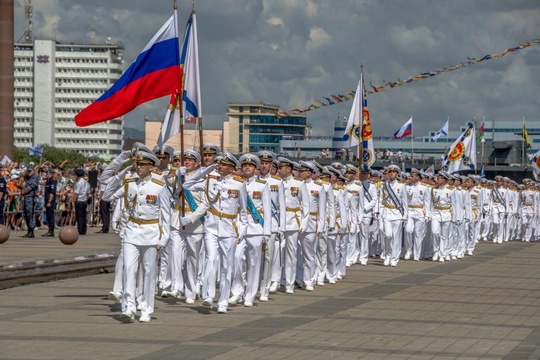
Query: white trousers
193	263
363	239
322	257
331	256
527	223
239	269
148	257
218	249
352	247
272	264
164	280
252	248
392	234
118	285
291	248
499	227
472	234
440	232
308	242
341	253
176	260
415	232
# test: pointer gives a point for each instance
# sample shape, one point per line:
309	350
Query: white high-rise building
53	82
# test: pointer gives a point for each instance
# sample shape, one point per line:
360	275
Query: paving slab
482	307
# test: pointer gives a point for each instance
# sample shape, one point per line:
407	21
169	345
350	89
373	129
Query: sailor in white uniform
419	212
147	201
316	224
395	208
297	217
272	267
225	224
248	257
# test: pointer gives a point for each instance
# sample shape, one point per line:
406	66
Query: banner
462	153
338	98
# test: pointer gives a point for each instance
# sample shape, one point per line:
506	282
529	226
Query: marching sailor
395	208
147	201
225	224
419	212
297	216
271	275
248	257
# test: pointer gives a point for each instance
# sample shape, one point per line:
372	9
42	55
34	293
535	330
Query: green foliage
57	156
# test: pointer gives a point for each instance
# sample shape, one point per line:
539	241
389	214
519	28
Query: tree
57	156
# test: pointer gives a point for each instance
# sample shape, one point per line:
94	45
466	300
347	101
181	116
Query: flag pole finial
174	5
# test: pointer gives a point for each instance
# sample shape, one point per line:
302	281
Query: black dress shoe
29	235
49	234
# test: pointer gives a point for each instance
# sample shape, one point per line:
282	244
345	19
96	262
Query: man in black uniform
28	191
50	201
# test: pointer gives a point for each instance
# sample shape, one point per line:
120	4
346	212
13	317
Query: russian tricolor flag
155	73
405	130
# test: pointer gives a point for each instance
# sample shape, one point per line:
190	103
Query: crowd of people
259	223
49	196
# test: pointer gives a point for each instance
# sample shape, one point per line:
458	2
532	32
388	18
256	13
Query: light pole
483	141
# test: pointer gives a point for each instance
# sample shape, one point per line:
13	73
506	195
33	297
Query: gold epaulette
159	182
297	179
156	171
339	187
128	180
261	181
173	168
318	182
451	187
276	177
238	178
325	182
213	177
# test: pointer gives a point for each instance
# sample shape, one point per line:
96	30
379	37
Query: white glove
185	221
209	169
280	235
181	171
265	239
114	226
122	173
320	234
301	230
124	156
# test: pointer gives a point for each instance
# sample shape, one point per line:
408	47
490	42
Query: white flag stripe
352	131
441	132
191	99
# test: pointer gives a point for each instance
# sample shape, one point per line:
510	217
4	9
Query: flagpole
178	107
448	132
361	143
523	144
412	142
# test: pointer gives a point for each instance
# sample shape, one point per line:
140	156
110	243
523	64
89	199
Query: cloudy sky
291	52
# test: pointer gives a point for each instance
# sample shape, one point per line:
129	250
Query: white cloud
318	37
291	52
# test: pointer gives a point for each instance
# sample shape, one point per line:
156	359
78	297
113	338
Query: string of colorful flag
338	98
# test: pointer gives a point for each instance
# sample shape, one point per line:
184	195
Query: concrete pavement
482	307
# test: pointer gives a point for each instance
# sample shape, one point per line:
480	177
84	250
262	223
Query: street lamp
483	141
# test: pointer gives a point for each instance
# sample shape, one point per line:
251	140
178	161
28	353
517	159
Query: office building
53	82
